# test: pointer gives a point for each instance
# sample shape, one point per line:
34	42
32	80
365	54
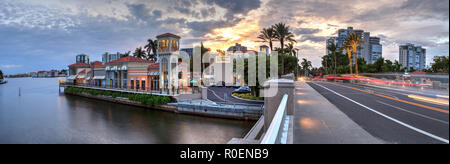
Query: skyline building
411	56
370	51
237	47
107	57
82	58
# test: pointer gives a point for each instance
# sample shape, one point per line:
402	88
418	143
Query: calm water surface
43	115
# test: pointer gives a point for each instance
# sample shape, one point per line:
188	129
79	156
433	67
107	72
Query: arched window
165	72
167	45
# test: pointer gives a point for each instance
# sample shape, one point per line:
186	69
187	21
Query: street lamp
296	64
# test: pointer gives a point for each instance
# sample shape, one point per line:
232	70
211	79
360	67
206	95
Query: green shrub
247	96
146	99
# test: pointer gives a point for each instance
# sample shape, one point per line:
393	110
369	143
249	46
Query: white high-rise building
411	56
107	57
370	51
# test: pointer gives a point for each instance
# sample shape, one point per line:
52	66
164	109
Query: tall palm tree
290	48
139	53
126	54
397	66
151	46
306	65
354	41
268	35
349	55
332	47
283	34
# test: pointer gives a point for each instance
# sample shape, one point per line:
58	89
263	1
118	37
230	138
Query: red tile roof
97	64
82	72
154	65
130	59
79	64
168	35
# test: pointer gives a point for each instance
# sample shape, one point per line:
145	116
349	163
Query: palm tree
151	46
349	55
290	48
354	41
397	66
332	47
126	54
282	34
139	53
268	35
306	65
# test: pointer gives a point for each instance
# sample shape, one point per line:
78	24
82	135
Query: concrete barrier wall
271	104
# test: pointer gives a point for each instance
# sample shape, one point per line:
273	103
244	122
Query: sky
43	35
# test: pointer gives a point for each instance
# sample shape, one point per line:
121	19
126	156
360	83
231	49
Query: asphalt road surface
220	94
390	115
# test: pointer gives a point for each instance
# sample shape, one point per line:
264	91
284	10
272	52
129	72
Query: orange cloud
245	33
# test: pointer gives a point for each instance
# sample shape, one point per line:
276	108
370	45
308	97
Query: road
217	94
393	116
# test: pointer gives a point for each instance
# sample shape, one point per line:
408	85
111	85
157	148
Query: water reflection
42	115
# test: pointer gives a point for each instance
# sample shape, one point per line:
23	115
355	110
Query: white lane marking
390	118
431	118
442	96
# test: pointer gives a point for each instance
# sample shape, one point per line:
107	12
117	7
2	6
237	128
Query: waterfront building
153	76
137	74
264	50
127	73
96	77
237	47
51	73
107	57
411	56
189	51
47	74
41	73
167	44
82	58
77	73
370	51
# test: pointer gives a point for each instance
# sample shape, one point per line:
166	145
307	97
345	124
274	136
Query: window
132	84
137	84
143	84
167	45
125	80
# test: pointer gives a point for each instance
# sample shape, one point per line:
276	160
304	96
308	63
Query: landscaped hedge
146	99
247	96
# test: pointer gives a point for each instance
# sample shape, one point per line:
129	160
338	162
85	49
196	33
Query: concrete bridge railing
277	132
278	111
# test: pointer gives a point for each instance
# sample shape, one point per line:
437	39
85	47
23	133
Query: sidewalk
317	121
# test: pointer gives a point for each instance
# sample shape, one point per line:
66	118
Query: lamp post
296	64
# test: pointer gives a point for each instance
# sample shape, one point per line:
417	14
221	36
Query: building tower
411	56
167	44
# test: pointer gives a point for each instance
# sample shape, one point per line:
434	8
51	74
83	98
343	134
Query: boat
2	81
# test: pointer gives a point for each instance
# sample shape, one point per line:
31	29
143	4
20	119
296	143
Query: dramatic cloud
42	35
301	31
